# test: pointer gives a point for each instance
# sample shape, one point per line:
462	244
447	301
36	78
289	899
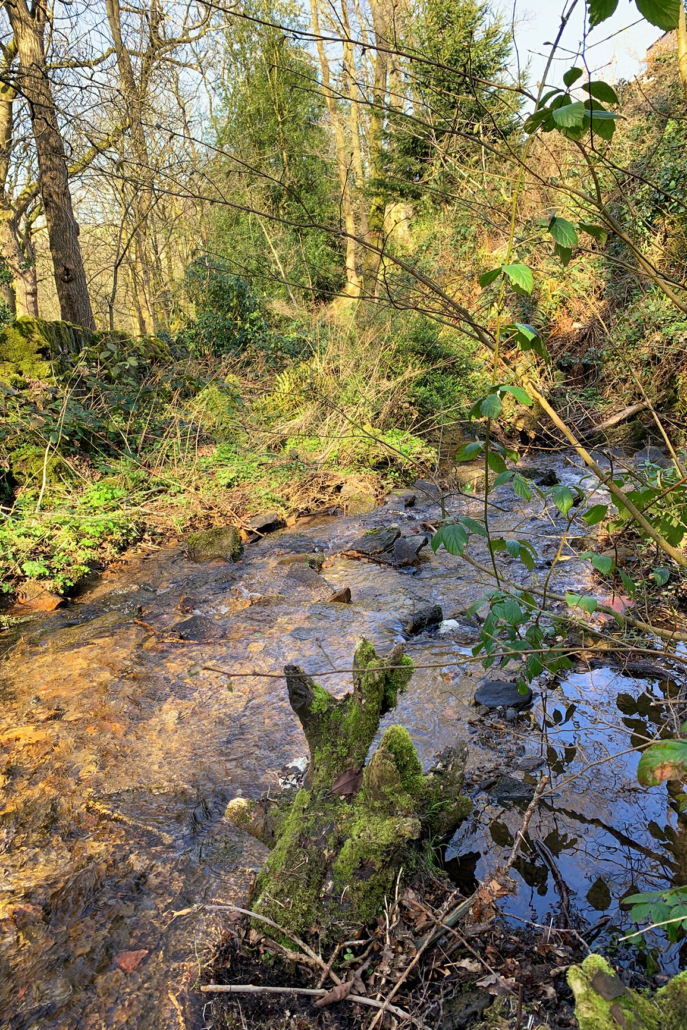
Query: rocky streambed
121	747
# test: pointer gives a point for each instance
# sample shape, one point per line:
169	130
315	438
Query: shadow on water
119	752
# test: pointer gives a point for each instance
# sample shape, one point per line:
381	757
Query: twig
544	853
541	787
311	992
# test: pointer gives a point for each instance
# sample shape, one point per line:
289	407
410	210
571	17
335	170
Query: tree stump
339	844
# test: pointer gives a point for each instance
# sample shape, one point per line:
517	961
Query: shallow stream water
119	755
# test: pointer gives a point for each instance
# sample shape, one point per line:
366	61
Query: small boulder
218	542
357	500
199	629
34	594
502	694
401	498
429	491
507	788
424	618
265	523
340	597
407	549
654	455
314	560
304	575
376	541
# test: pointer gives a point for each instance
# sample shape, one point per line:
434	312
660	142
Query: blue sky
619	57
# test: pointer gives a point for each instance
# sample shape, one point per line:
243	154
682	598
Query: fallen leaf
349	782
130	960
470	965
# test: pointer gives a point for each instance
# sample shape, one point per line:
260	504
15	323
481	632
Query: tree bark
682	46
63	230
340	843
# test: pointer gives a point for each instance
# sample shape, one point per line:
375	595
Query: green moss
397	742
602	1003
219	542
30	346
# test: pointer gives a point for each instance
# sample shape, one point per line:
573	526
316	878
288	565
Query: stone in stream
404	498
340	597
507	788
655	455
357	499
501	694
376	541
265	523
218	542
429	491
306	576
314	560
407	549
542	477
198	628
188	604
424	618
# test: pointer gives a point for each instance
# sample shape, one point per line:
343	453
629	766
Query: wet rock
340	597
655	455
376	541
428	491
501	694
507	788
292	775
542	477
461	1010
314	560
448	626
424	618
36	595
296	544
529	764
198	628
401	498
187	605
265	523
511	715
219	542
407	549
304	575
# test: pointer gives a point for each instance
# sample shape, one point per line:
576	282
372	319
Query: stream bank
120	754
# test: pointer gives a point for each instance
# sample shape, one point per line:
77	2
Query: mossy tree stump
339	844
602	1002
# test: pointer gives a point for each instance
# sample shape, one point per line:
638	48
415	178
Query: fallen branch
628	412
311	992
541	787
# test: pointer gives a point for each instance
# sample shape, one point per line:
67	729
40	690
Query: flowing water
120	753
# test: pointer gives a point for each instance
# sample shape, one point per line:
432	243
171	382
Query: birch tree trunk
29	27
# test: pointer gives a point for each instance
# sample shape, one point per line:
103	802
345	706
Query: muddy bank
120	753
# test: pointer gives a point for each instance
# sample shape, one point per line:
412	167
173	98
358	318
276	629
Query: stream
119	754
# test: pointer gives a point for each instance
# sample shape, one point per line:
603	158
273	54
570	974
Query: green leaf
661	576
563	232
661	762
497	545
587	603
547	96
562	498
504	477
453	537
522	487
596	514
496	462
572	75
628	583
509	611
602	563
488	277
474	526
526	559
603	123
570	116
601	91
536	119
468	451
534	666
564	253
517	391
597	231
600	10
491	406
663	14
513	548
520	277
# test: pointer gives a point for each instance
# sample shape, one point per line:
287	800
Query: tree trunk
340	843
682	46
63	230
377	208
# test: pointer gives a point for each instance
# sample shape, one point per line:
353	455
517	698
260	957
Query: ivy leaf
663	14
491	406
596	514
562	498
597	231
517	391
489	277
572	75
520	277
601	91
563	232
600	10
453	537
664	761
570	115
496	462
522	487
661	576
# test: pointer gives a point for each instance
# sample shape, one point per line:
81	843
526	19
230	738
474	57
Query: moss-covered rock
218	542
341	844
602	1002
29	347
